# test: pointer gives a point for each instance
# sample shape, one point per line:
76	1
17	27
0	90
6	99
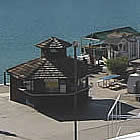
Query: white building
128	46
118	42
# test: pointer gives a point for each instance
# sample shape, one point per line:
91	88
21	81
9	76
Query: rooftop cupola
53	48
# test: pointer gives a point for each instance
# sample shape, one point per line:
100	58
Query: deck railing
1	78
119	121
114	112
116	118
4	78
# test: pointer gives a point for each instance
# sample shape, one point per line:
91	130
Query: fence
4	78
119	128
121	120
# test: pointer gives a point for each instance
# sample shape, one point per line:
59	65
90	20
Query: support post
4	78
75	44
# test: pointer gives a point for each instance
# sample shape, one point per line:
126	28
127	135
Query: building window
29	85
134	50
53	50
120	47
51	85
115	48
124	47
62	86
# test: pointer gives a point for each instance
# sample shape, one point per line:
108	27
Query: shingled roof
46	68
26	69
53	42
112	33
114	41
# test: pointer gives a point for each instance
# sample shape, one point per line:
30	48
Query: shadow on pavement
93	109
8	133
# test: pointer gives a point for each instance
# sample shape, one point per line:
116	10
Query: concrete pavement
20	122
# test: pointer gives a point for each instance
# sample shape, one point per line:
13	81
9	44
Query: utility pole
75	44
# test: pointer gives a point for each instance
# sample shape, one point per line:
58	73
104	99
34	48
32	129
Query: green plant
117	65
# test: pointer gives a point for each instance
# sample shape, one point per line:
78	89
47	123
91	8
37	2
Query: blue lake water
24	23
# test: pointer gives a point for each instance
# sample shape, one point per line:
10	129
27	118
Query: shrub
117	65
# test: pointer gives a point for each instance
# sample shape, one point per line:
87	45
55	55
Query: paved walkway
20	122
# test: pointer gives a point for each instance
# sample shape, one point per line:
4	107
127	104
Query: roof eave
93	39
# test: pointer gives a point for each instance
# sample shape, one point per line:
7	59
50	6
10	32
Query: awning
110	77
